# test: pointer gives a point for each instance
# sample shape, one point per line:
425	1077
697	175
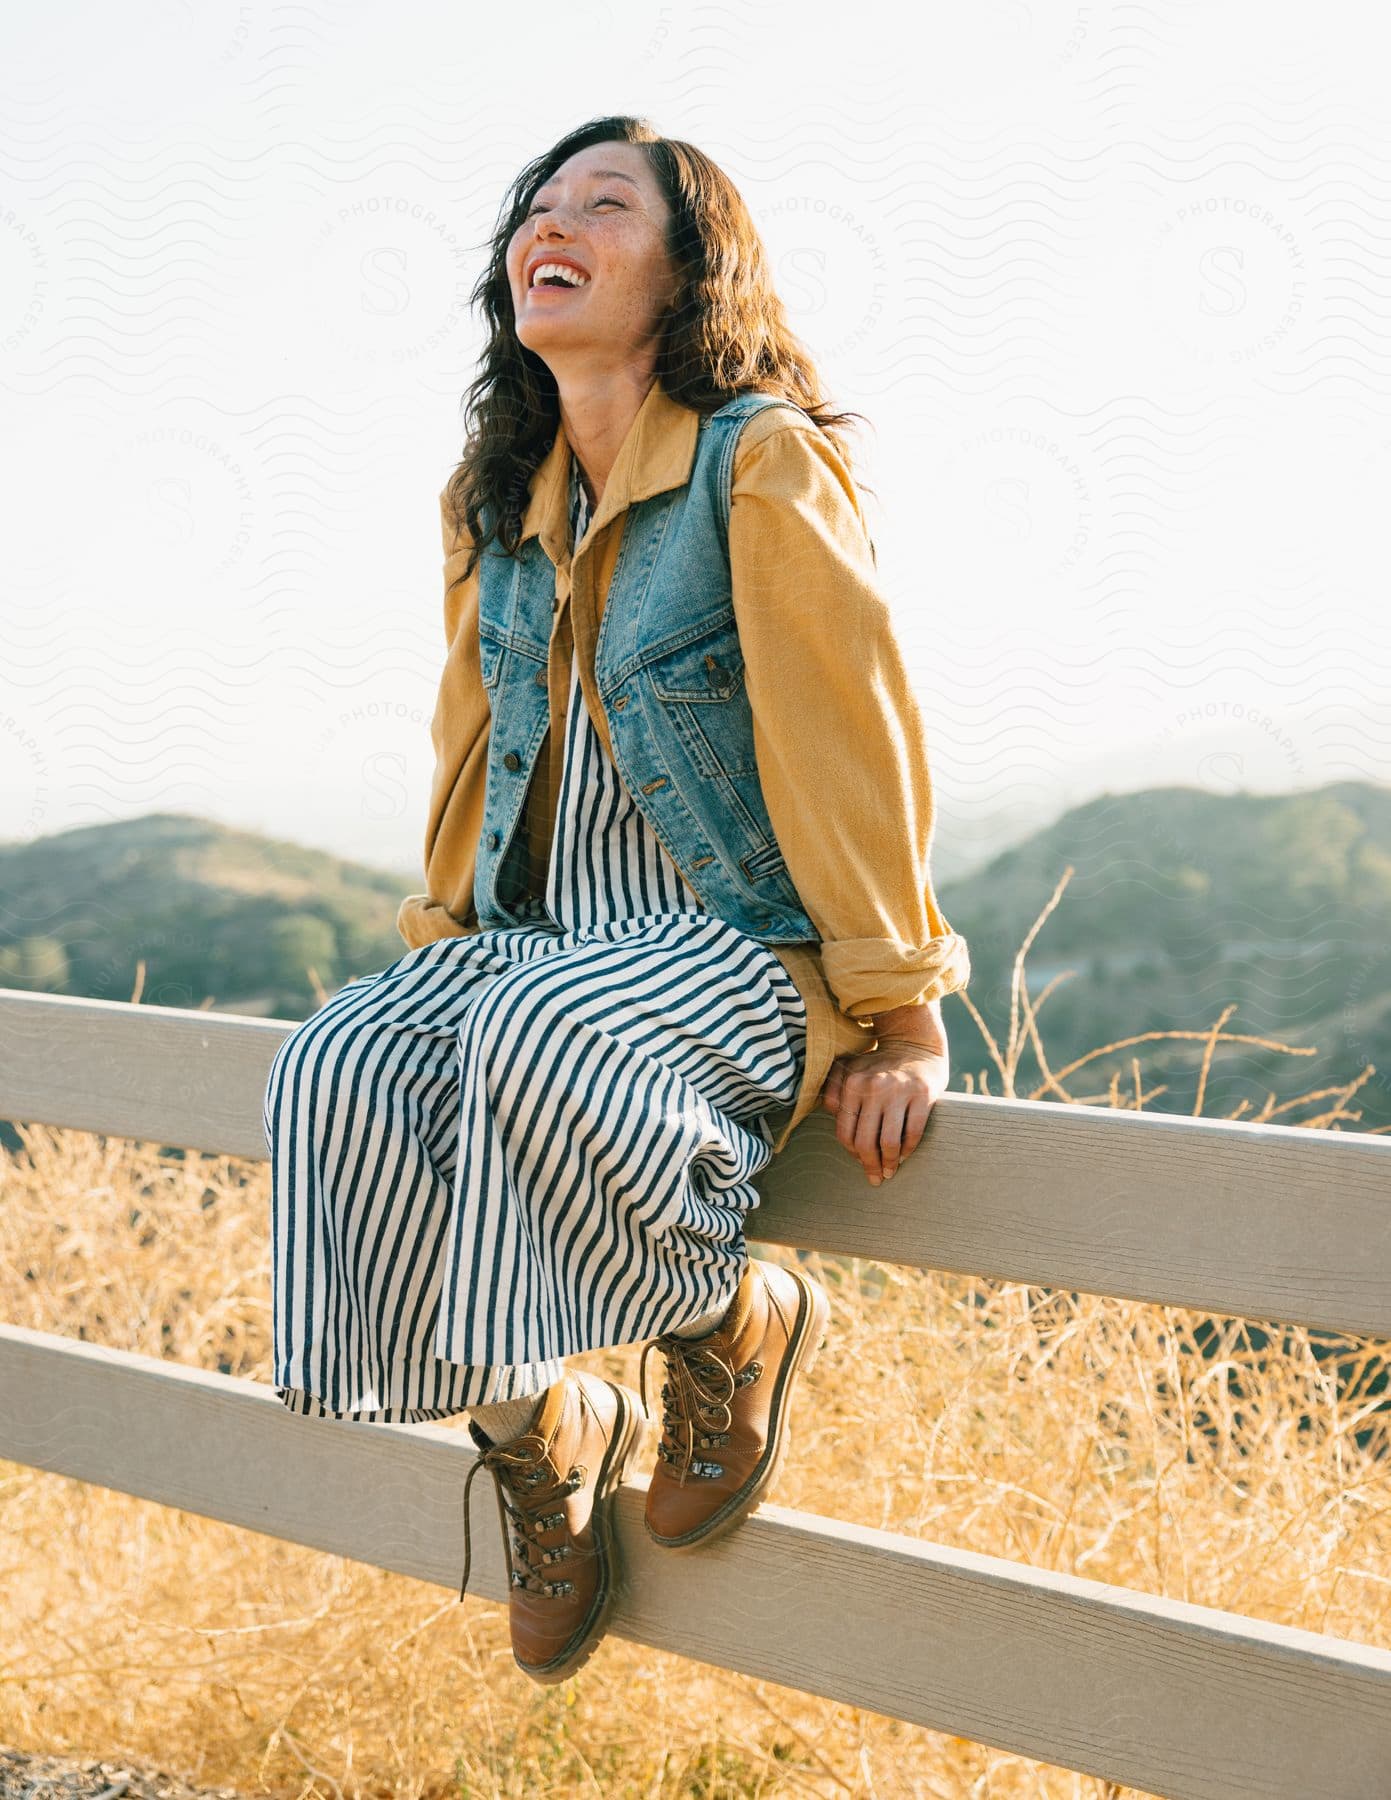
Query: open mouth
557	275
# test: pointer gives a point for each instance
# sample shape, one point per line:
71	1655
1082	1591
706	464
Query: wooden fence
1184	1701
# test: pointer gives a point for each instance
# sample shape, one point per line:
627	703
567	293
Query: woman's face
602	217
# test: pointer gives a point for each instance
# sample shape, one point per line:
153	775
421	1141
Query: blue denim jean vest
670	677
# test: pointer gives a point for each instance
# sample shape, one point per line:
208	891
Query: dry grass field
1140	1445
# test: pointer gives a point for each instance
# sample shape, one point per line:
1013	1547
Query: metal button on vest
720	678
620	703
493	840
540	678
511	760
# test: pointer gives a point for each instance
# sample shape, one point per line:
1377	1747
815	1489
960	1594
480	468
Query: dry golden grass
1065	1431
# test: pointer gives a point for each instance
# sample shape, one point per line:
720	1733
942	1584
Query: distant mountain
220	917
1181	902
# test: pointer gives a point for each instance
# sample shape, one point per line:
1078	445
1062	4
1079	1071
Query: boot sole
630	1432
808	1340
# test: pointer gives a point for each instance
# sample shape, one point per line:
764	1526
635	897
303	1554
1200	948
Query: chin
538	336
535	341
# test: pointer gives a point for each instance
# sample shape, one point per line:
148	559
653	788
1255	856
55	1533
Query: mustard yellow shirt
838	733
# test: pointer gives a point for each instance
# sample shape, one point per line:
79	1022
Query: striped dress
508	1148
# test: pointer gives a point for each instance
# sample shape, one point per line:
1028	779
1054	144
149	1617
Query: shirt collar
656	454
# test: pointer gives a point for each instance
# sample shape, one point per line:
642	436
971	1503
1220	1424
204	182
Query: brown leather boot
554	1493
725	1404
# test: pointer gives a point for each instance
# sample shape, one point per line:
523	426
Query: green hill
221	918
1182	902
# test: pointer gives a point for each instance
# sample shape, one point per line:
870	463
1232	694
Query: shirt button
511	760
620	703
540	678
493	840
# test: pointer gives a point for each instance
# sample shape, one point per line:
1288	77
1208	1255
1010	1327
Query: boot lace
530	1485
696	1397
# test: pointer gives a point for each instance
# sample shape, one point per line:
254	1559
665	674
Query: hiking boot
555	1484
725	1404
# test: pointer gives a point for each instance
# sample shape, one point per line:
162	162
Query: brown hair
725	333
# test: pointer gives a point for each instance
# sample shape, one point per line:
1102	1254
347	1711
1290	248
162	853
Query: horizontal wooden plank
166	1074
1262	1221
1259	1221
1171	1698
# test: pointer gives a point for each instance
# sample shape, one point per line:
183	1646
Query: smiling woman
677	885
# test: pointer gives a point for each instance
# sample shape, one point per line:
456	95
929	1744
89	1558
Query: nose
550	226
546	231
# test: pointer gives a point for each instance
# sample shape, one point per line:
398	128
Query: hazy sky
1112	285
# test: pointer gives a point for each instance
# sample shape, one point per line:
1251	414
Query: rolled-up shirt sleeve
839	736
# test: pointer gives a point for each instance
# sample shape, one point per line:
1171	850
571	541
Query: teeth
565	272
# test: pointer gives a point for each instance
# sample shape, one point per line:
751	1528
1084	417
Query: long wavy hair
725	332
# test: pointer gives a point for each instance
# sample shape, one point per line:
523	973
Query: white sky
1112	285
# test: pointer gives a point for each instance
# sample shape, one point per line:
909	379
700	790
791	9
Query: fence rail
1174	1699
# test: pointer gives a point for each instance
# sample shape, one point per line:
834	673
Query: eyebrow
598	175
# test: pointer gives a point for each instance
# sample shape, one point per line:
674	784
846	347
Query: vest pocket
707	669
766	860
700	687
767	869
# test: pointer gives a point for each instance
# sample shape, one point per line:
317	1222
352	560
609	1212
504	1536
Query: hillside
220	917
1181	903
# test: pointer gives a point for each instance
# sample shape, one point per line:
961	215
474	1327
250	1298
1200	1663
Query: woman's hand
881	1099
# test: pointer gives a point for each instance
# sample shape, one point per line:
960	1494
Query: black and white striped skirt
505	1149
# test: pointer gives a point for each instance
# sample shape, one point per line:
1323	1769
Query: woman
677	880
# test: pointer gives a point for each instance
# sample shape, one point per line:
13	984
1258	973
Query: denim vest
670	676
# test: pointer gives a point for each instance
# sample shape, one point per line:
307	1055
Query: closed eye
603	200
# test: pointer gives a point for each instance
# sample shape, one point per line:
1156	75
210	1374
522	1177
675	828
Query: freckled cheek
513	260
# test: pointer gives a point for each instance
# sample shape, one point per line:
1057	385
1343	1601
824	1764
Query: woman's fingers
888	1128
892	1145
878	1120
915	1124
858	1124
879	1136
